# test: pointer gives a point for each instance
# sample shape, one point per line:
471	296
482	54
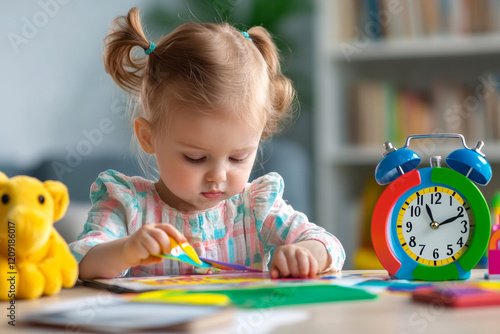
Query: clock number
461	209
451	200
450	250
412	242
409	226
421	250
438	198
435	253
460	242
464	223
415	211
420	200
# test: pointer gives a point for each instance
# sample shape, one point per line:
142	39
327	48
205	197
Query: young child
208	95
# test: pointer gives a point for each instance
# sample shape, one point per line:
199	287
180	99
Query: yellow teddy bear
34	258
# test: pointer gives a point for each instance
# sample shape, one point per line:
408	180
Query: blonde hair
205	66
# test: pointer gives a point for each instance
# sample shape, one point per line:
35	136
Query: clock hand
449	220
429	212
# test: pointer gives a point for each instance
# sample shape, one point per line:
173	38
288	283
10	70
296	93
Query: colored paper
260	297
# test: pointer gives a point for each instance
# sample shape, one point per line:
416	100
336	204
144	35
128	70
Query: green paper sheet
294	295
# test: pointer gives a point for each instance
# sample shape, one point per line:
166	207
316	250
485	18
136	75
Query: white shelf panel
428	47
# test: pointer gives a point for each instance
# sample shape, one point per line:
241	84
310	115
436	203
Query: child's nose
217	173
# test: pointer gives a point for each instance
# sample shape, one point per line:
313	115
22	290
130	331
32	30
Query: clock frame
388	212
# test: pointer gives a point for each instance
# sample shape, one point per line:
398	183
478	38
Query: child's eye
237	160
194	160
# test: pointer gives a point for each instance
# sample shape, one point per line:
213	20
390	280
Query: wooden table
390	313
396	313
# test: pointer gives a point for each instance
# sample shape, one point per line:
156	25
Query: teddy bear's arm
59	266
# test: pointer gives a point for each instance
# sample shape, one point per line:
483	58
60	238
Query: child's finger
304	265
293	264
313	268
151	260
150	243
162	239
274	273
172	231
280	264
140	245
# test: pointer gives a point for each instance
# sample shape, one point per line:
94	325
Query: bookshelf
366	80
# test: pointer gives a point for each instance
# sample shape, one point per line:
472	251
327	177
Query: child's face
204	159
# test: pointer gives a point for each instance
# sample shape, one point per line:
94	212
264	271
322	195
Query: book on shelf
381	110
392	19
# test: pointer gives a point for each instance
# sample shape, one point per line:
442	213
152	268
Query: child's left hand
295	261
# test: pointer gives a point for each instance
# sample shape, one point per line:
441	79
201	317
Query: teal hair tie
247	36
152	47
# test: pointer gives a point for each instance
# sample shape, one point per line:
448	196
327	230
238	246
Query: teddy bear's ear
3	178
60	195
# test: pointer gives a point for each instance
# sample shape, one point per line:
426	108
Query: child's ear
142	130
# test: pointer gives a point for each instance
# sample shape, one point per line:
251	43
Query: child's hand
295	261
150	240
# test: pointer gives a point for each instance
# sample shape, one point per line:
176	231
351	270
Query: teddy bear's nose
21	214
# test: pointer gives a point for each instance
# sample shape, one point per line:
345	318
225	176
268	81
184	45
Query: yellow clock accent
435	226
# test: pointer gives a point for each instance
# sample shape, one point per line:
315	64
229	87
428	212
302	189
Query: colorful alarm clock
432	223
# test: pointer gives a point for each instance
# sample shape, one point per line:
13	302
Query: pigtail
125	34
281	88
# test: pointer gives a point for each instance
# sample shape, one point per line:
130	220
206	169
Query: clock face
435	226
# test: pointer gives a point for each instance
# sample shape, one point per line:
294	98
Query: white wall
53	88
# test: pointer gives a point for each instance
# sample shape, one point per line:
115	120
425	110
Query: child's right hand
150	240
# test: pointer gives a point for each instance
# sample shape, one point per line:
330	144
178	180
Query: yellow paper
183	297
201	279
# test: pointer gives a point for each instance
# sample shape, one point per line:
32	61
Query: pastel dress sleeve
114	209
277	223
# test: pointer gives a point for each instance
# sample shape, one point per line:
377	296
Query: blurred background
366	71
